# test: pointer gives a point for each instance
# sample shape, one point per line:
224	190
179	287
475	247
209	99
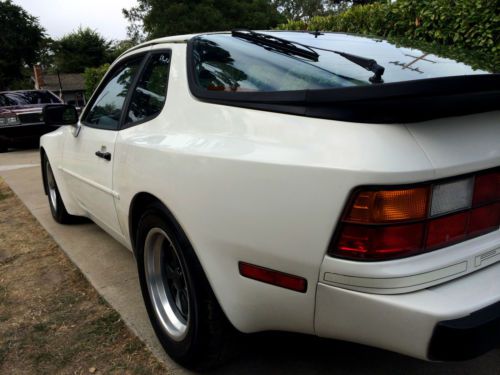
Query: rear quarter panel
258	187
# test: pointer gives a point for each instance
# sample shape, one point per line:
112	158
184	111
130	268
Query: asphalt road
111	270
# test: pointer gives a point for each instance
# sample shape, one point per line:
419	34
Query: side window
151	90
106	110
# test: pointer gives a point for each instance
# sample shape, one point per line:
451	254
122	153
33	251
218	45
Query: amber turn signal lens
389	206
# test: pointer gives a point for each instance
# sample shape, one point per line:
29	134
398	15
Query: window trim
149	56
142	57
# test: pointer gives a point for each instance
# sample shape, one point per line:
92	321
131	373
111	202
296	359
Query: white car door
88	157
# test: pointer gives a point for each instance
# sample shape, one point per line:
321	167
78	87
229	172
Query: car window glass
229	64
106	110
150	93
224	63
28	98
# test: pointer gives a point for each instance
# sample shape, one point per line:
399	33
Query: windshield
27	98
226	63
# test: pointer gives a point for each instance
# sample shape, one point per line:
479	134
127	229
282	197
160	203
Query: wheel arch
139	203
43	155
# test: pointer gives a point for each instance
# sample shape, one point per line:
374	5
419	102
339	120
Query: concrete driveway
111	270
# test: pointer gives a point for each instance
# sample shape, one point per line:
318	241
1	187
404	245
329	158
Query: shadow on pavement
284	353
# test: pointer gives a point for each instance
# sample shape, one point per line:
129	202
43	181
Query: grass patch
41	327
134	346
3	294
4	349
2	196
52	320
103	327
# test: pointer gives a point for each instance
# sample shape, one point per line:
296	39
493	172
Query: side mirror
60	114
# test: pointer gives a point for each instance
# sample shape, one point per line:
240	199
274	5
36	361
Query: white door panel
88	176
88	155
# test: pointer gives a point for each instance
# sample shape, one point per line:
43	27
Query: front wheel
183	310
56	204
4	146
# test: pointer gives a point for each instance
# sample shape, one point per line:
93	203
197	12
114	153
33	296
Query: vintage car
21	121
326	184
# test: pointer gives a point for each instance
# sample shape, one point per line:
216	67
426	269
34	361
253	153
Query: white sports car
327	184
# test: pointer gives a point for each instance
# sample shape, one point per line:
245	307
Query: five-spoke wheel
182	308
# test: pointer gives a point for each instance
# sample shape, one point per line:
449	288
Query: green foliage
21	37
92	78
301	9
80	49
172	17
471	28
117	49
296	10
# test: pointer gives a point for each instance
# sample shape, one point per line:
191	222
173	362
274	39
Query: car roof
167	39
28	90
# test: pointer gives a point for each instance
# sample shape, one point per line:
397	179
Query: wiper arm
369	64
308	51
277	43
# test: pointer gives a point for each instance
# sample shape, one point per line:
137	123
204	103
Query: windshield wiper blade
279	44
369	64
308	51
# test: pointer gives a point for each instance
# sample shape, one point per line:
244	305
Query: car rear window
222	62
27	98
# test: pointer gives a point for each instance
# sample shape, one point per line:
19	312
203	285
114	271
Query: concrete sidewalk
111	269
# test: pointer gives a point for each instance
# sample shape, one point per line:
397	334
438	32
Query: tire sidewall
183	351
4	146
56	211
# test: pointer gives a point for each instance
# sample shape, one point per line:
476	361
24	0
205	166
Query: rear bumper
467	337
453	321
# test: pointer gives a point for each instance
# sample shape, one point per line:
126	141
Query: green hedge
469	28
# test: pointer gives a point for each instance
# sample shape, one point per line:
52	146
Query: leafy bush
471	27
92	77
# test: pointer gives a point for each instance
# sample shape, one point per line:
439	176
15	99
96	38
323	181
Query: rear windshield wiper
279	44
307	51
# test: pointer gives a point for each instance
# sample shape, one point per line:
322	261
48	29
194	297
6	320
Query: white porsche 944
326	184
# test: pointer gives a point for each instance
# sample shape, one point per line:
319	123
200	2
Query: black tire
4	146
205	341
57	207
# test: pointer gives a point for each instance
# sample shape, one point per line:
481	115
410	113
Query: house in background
70	87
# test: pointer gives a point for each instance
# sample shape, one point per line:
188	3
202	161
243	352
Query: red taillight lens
484	219
358	241
390	223
487	188
446	230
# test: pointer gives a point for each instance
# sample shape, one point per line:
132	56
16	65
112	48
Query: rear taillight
388	223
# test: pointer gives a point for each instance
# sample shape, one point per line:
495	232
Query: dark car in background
21	122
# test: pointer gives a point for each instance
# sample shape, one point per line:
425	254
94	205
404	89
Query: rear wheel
183	310
56	204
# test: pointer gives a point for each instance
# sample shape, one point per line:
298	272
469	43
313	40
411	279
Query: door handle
104	155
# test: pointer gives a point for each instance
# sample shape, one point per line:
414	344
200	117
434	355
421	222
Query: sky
60	17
